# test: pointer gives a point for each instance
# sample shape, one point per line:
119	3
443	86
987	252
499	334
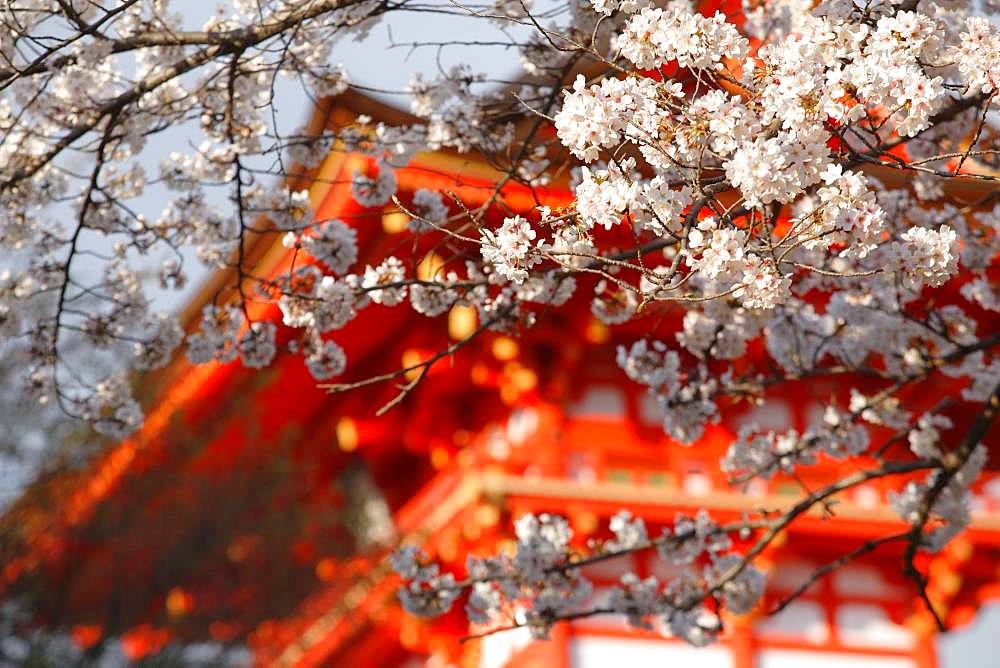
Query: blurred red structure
254	507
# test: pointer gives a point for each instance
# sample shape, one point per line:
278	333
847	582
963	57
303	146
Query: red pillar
742	644
560	644
925	652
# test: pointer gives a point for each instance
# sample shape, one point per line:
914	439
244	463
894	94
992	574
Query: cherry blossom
371	191
333	243
509	248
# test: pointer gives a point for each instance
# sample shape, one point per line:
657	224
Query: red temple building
255	507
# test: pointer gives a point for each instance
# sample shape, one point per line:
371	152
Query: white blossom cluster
542	582
946	503
655	36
